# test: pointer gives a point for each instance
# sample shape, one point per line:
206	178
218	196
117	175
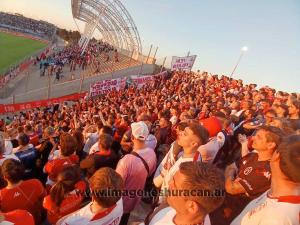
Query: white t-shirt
8	147
270	211
92	138
168	167
85	216
166	216
4	157
210	149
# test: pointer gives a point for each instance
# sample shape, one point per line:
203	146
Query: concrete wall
71	87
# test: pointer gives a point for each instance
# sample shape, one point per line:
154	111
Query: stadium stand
19	23
166	136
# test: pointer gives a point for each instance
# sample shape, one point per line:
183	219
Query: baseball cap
140	130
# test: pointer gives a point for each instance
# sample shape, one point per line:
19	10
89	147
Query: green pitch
14	48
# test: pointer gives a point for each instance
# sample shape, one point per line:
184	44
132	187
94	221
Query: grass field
14	48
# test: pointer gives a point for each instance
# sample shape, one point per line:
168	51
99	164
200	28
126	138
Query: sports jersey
17	217
166	217
254	175
4	157
85	216
169	166
28	158
28	195
55	166
71	203
266	210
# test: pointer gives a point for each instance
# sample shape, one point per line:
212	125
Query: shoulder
163	216
48	203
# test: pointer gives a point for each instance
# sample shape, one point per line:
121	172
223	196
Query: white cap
140	130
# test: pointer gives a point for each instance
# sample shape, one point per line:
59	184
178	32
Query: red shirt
28	195
19	217
71	203
55	166
34	139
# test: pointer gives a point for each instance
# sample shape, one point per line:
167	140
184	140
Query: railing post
49	88
149	54
162	66
153	61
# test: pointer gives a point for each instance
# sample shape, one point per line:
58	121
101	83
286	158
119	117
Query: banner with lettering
139	82
105	86
183	63
8	108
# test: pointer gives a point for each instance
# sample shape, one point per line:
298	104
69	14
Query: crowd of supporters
201	149
53	62
23	24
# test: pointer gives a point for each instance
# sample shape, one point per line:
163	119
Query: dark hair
204	176
13	170
272	111
105	141
80	141
286	109
289	151
23	139
66	181
68	144
274	134
106	179
200	131
28	127
106	130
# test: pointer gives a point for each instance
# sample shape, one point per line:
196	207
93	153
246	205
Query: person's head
164	122
270	115
103	181
12	170
285	163
294	108
2	144
20	129
66	181
267	138
192	137
105	130
28	128
105	142
23	139
282	110
68	144
204	187
140	132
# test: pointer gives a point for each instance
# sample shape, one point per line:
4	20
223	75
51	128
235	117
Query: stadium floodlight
113	21
243	50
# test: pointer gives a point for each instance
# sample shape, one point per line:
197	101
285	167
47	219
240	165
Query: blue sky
213	30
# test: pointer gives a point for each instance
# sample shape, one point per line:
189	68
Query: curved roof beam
112	20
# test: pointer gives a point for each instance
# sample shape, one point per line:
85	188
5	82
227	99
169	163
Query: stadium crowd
71	55
198	148
23	24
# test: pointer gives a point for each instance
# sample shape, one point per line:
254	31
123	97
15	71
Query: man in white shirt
106	206
194	191
281	204
192	136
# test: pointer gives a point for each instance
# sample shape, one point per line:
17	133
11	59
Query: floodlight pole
243	50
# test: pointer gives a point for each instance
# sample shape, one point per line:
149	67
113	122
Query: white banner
183	63
139	82
105	86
